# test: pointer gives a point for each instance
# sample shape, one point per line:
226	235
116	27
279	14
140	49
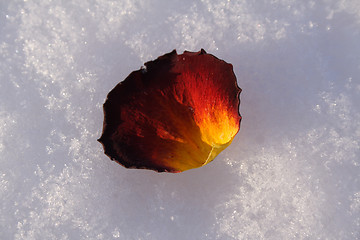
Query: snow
293	171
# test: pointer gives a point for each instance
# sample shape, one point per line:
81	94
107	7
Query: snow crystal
292	172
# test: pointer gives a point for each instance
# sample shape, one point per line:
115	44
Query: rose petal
178	113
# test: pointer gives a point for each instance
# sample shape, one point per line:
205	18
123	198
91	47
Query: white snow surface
292	172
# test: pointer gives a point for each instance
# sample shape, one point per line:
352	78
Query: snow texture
293	171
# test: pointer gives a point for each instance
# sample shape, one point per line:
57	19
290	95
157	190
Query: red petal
177	114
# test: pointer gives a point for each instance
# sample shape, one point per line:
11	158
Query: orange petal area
177	114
